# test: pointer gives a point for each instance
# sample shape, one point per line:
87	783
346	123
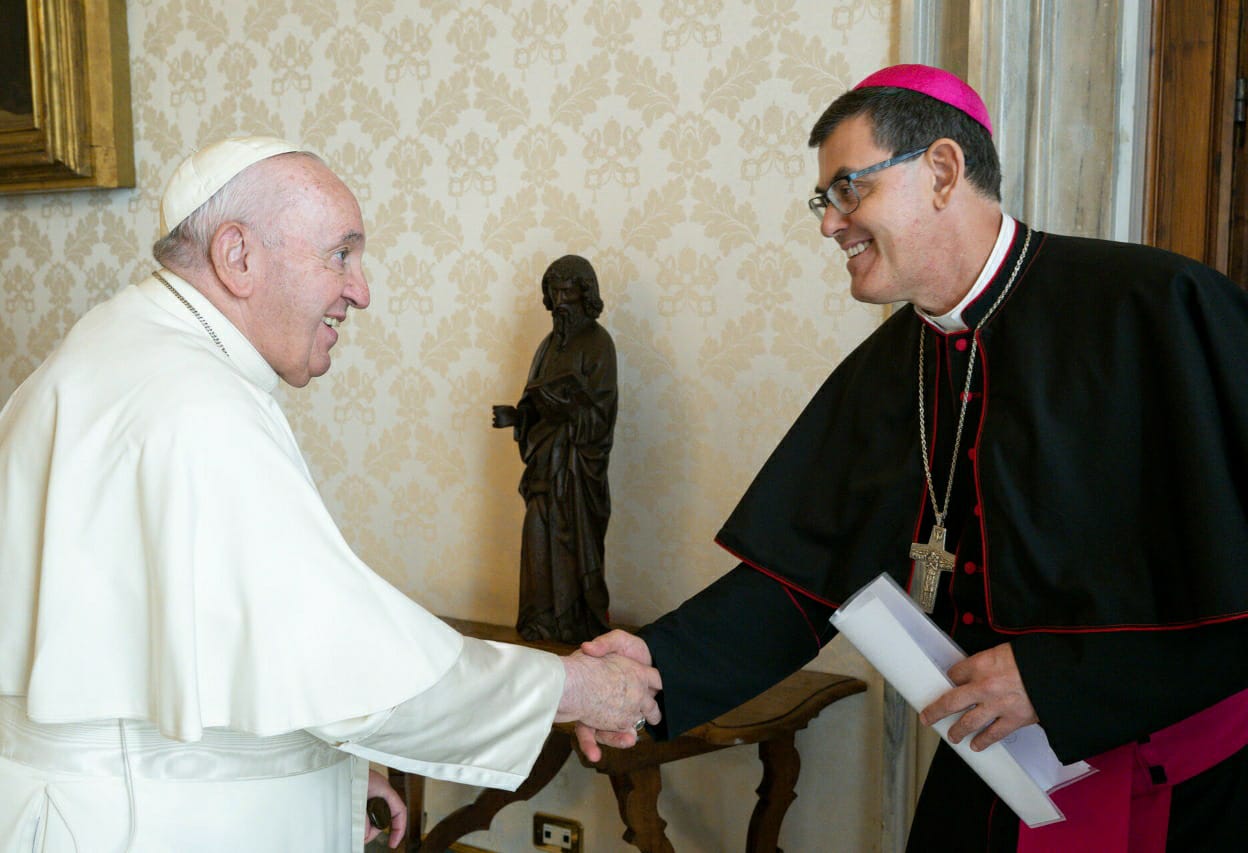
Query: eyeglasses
843	195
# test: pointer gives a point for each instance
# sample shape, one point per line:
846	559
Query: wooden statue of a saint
564	423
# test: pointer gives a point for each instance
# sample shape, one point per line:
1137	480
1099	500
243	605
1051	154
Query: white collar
951	321
243	356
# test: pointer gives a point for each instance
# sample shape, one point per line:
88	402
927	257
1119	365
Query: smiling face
311	269
887	239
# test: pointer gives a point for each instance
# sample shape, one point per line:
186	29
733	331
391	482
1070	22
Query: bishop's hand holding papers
915	656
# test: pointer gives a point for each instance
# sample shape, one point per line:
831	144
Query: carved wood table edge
770	719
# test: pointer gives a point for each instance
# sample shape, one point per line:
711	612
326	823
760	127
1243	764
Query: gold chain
194	313
941	512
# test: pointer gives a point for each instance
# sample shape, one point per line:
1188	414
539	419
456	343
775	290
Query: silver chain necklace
931	558
194	313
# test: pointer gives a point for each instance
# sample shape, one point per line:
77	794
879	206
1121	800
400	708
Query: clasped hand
610	686
990	690
505	416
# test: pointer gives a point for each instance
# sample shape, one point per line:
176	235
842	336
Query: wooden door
1191	179
1237	261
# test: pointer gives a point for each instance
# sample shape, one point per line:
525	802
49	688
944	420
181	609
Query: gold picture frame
65	120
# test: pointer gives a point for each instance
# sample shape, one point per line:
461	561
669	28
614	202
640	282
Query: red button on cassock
960	344
968	618
970	568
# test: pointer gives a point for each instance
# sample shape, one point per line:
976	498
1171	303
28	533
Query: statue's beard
567	322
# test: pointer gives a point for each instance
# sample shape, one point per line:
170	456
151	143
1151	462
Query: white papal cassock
191	657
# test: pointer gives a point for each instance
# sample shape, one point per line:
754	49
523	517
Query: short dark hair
903	120
576	269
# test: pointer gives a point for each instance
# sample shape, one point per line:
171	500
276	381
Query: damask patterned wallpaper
664	140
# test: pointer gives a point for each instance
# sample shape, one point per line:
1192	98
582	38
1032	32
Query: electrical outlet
556	834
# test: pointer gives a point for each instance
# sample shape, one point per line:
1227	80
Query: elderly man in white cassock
191	656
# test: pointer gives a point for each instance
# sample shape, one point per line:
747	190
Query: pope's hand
379	786
608	695
612	643
990	690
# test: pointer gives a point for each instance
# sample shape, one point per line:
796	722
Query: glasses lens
844	196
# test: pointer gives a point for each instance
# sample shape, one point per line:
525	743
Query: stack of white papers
913	654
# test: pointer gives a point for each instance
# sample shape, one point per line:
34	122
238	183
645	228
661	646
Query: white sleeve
483	723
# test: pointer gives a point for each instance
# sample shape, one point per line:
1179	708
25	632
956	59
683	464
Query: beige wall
662	139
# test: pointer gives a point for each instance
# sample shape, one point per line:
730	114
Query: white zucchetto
199	176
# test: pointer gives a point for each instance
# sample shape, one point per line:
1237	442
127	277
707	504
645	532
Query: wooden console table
770	720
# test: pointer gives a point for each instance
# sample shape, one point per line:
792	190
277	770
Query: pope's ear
948	165
229	252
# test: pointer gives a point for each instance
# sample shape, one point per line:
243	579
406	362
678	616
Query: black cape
1111	454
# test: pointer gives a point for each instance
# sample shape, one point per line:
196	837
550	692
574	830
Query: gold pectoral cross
930	559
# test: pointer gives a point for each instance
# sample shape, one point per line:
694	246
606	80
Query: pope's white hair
250	197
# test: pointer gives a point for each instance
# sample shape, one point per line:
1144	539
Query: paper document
913	655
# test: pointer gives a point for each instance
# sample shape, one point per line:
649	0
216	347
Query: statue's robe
563	590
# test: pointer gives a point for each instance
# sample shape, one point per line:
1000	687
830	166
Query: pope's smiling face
312	262
885	237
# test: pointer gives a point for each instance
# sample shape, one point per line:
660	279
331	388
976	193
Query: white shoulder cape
164	553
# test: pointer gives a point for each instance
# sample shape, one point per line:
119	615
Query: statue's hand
505	416
549	406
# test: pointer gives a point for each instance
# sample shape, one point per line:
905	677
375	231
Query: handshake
609	691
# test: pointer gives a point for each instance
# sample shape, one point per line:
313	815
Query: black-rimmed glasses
843	195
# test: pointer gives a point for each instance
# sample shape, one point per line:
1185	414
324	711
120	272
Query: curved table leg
781	764
479	813
637	795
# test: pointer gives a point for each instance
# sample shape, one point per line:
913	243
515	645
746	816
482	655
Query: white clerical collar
242	355
951	321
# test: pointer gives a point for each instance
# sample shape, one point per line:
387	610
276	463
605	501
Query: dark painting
15	83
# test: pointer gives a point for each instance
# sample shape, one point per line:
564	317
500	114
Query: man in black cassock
564	424
1065	422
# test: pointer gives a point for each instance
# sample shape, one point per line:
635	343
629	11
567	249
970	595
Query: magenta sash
1125	806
